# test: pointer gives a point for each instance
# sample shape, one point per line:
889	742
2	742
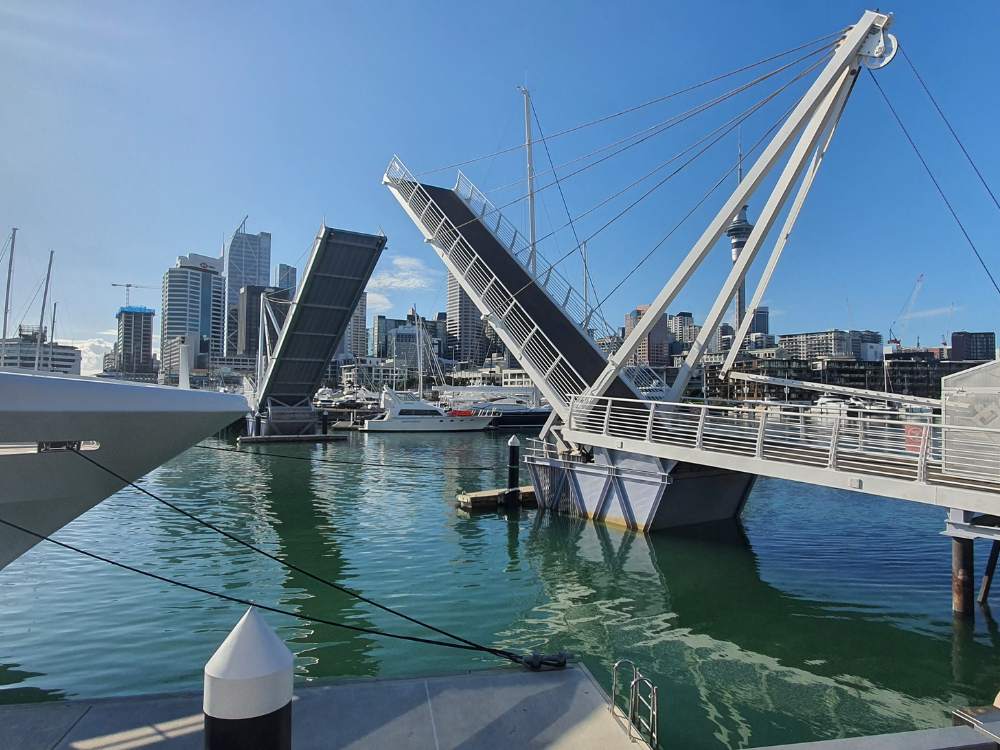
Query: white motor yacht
405	412
131	428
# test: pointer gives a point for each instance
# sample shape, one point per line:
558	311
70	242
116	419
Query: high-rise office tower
134	347
287	278
194	305
973	346
761	322
247	263
248	331
466	342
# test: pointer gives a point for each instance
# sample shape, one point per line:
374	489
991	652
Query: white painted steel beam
845	56
838	389
779	245
825	114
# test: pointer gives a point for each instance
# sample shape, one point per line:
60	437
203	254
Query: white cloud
932	312
378	303
92	353
406	273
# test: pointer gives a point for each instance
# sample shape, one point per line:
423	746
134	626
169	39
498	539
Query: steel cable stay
655	126
947	123
829	40
533	661
718	183
656	129
548	155
937	185
725	129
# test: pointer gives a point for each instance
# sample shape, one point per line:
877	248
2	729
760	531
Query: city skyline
193	201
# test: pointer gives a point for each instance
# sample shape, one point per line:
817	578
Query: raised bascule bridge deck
622	447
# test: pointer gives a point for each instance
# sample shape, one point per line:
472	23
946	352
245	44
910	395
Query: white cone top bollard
250	674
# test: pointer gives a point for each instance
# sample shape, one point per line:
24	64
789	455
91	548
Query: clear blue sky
134	132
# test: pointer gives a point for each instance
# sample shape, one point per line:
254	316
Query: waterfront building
654	349
466	339
973	346
287	278
134	346
247	263
761	341
22	349
356	337
515	377
862	345
761	322
194	299
110	359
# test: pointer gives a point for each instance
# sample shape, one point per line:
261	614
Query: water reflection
731	652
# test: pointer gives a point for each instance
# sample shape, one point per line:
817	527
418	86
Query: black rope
314	459
251	603
265	553
937	185
954	134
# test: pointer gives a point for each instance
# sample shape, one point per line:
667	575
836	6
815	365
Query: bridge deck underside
572	343
338	271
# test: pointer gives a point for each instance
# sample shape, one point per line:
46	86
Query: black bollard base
271	731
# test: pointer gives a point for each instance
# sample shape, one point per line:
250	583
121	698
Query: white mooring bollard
248	690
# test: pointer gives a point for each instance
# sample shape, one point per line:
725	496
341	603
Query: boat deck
502	708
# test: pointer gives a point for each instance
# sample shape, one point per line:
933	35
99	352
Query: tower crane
903	317
129	287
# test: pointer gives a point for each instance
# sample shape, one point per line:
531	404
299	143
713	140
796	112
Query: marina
513	522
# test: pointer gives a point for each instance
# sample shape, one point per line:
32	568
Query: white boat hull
428	424
138	427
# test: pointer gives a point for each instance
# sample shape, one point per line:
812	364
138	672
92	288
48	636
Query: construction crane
129	287
904	315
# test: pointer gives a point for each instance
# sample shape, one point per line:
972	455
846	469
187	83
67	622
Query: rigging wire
348	463
562	196
724	129
283	563
954	134
665	125
250	603
937	185
656	100
701	201
729	127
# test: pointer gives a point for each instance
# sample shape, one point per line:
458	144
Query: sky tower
738	233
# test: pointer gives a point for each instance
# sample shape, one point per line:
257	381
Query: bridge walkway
894	454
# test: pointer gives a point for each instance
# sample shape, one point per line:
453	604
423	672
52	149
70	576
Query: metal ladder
642	694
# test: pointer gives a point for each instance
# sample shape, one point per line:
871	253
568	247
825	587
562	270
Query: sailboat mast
532	254
52	338
6	301
420	355
41	319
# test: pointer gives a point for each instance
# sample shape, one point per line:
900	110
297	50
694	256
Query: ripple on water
825	615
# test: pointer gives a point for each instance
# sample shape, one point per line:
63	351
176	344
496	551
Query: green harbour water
823	614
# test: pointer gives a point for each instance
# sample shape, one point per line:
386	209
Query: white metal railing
532	346
898	445
642	694
560	291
